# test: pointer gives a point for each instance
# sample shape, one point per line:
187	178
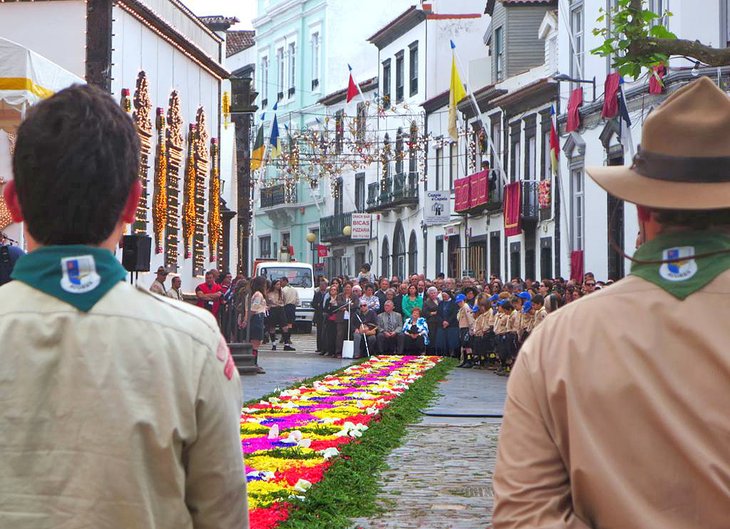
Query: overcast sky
243	10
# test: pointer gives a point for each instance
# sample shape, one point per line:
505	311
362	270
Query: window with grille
399	76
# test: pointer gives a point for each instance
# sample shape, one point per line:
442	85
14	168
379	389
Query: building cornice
398	27
176	39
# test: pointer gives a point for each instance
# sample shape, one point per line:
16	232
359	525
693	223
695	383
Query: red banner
576	266
574	104
479	189
512	209
461	194
322	250
610	101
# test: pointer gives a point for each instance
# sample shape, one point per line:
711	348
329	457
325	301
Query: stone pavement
440	478
284	369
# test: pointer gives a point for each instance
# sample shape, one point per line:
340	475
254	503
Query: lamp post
561	77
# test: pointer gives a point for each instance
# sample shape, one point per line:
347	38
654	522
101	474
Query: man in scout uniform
120	408
626	425
158	285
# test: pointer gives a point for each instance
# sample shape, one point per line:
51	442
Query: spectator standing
347	302
447	337
411	300
390	325
175	291
430	312
291	300
158	285
370	298
9	255
318	301
275	305
209	294
384	286
366	274
330	309
157	444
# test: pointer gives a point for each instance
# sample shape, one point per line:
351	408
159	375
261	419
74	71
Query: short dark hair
76	160
538	299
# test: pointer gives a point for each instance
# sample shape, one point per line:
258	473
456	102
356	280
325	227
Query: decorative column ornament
215	222
202	160
226	104
142	119
174	162
126	102
159	211
190	192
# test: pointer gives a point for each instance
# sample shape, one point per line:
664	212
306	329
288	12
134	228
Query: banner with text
437	208
360	226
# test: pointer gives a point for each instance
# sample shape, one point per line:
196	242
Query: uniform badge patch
223	354
79	275
680	268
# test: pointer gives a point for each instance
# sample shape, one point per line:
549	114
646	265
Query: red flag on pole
352	89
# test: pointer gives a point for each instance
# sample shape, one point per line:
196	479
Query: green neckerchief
684	275
78	275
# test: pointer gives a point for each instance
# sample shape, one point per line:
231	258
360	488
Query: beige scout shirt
175	294
540	316
158	288
290	295
123	417
617	414
465	317
500	323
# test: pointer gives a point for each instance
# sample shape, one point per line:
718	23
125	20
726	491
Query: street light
561	77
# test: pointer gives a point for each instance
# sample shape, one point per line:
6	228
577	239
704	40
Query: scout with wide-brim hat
684	158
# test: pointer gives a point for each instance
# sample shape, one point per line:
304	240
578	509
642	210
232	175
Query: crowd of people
481	323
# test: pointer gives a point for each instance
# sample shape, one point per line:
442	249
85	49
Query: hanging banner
322	250
436	208
360	226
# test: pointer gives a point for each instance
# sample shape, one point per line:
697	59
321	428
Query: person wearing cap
120	408
505	330
625	425
527	322
158	285
365	323
479	339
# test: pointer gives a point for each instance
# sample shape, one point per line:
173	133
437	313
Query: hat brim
627	184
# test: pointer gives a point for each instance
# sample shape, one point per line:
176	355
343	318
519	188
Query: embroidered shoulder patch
79	275
680	268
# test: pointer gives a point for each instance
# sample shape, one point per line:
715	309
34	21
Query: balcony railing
398	191
330	228
277	196
530	206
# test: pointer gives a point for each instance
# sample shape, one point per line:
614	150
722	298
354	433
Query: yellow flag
456	94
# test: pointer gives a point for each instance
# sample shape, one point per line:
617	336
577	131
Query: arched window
399	251
385	258
412	254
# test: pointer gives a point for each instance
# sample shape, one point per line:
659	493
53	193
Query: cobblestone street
440	478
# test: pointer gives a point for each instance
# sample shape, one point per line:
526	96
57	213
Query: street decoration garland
143	121
215	223
159	203
290	440
202	161
190	193
543	194
175	154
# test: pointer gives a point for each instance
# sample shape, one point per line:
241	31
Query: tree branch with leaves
635	40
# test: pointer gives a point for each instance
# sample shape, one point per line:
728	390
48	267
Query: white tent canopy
27	77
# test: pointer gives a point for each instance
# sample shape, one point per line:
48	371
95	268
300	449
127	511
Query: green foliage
350	486
624	25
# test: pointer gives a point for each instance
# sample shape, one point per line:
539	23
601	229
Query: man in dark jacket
318	306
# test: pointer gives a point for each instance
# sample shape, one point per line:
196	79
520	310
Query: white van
301	277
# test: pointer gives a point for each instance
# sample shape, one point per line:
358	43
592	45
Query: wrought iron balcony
530	206
395	192
330	228
278	196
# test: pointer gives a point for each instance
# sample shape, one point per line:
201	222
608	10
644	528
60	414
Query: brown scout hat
684	158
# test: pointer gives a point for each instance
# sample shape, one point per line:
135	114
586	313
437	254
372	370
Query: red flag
352	89
322	250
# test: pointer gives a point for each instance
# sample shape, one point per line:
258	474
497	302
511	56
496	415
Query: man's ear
130	208
11	199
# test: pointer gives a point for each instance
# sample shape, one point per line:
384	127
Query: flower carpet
290	440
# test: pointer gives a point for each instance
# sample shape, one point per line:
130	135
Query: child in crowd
481	325
540	311
465	317
527	322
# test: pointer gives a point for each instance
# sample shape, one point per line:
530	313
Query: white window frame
577	28
291	69
499	53
531	158
265	69
280	69
315	40
577	188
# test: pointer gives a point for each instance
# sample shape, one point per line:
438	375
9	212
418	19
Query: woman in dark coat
430	312
447	335
329	336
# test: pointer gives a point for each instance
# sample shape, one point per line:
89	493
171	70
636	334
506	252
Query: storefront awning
27	77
